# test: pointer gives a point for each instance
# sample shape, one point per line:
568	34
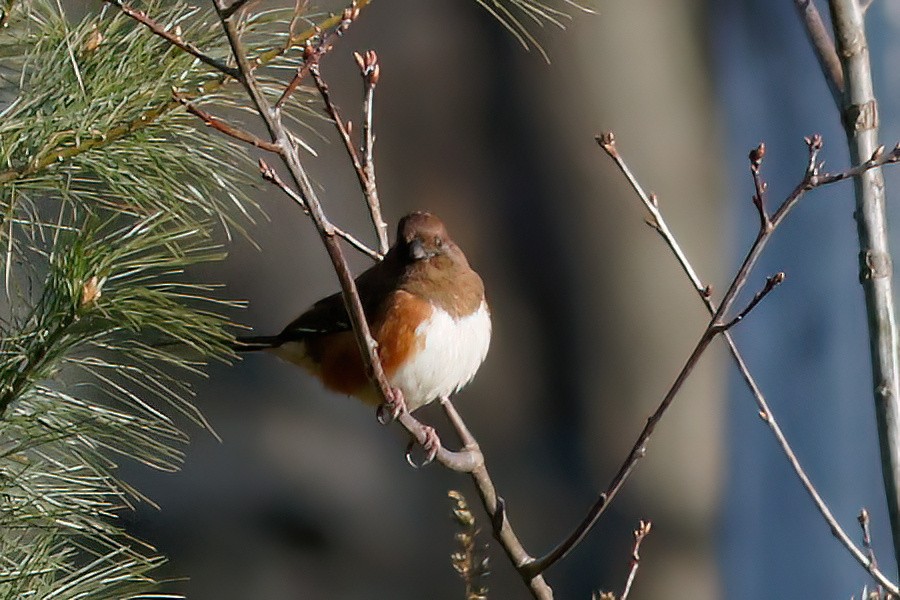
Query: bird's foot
431	445
394	406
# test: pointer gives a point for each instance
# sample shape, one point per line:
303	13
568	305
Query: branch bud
91	290
368	66
93	41
756	155
814	142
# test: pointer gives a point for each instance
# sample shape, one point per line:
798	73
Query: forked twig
370	71
270	175
363	166
810	180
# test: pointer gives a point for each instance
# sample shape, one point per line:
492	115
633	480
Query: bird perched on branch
425	307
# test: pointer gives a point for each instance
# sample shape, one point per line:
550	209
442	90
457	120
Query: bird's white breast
452	350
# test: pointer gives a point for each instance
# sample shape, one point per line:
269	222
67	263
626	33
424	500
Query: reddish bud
757	154
814	142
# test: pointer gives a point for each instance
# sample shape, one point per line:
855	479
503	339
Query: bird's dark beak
417	250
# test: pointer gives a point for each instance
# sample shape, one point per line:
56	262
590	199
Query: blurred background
308	497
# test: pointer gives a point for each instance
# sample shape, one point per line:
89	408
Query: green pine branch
103	326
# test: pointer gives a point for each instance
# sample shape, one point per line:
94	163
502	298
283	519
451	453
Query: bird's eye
438	242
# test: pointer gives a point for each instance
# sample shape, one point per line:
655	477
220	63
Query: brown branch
226	128
365	167
814	144
174	38
640	533
468	460
339	123
823	45
313	52
496	508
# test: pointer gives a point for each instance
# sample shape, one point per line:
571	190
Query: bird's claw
431	445
393	407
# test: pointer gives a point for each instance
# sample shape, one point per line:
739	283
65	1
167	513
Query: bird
425	307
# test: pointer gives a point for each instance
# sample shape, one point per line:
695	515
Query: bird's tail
255	343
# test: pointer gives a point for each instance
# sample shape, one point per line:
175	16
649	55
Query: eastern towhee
426	309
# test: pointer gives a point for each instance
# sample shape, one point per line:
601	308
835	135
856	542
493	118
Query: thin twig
863	520
270	175
339	123
174	38
313	52
771	282
859	115
226	128
823	45
639	534
765	413
759	197
370	71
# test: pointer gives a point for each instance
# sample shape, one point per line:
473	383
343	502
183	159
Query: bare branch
313	52
811	177
771	283
823	45
227	129
270	175
759	198
364	167
607	141
863	520
370	71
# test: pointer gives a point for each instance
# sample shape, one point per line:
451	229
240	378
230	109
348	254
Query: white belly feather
453	350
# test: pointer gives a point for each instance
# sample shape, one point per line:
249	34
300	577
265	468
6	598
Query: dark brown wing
328	315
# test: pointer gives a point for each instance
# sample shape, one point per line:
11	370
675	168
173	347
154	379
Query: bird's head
421	236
